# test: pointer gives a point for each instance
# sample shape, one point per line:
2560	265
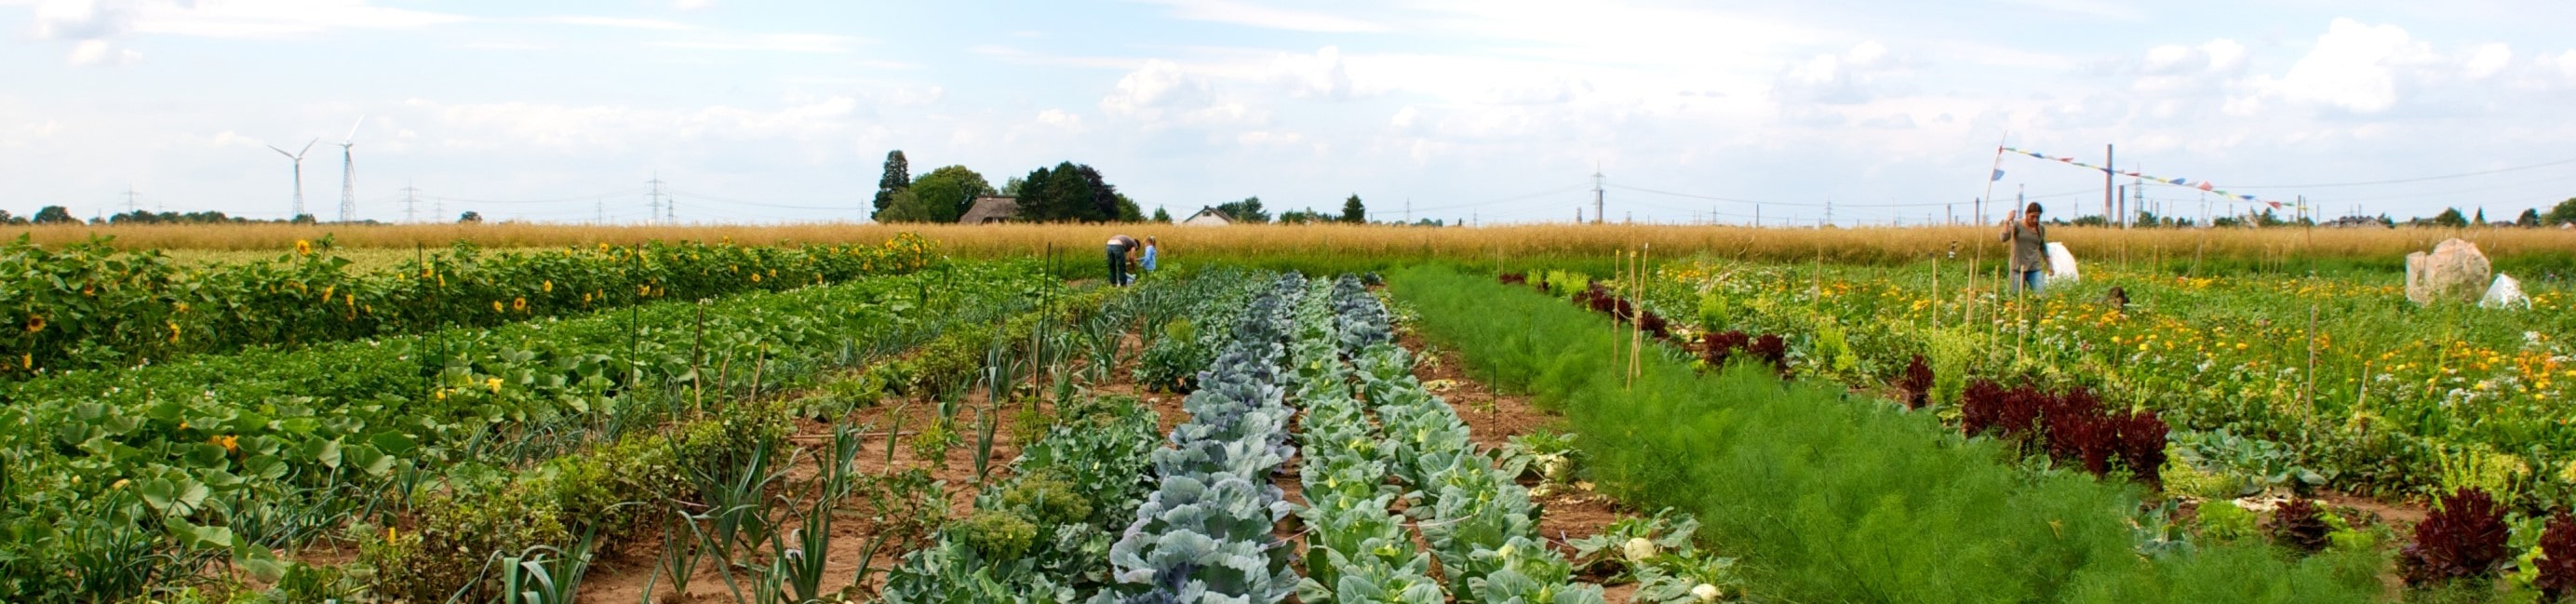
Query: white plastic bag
2061	263
2505	293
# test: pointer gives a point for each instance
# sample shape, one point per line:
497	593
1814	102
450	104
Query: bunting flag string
2204	186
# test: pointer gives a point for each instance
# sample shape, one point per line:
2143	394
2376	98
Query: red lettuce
2463	537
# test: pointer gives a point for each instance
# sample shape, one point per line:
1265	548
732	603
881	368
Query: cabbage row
1205	533
1043	536
1356	551
1479	521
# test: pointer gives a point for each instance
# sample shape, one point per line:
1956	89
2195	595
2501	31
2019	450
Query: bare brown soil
622	572
626	567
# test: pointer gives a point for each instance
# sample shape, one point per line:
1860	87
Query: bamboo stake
697	353
1637	321
2310	394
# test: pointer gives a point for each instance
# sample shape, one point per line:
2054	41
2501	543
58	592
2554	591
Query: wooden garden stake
758	364
2310	394
1637	320
697	354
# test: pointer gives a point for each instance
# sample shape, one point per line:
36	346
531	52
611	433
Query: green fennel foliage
1833	500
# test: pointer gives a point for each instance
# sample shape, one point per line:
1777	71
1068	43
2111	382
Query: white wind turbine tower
298	156
349	173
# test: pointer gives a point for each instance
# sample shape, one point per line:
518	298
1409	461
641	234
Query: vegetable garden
882	423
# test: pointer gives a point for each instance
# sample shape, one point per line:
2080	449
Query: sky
1489	111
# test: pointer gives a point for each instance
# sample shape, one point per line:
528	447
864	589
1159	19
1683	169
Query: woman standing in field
2029	247
1119	247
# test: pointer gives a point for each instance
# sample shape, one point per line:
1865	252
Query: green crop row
110	479
91	306
1830	498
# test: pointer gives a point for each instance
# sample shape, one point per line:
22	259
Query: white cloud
1267	138
621	22
2216	56
1149	91
1321	75
276	18
613	127
102	52
2350	67
1061	119
2097	9
2564	63
1852	76
2489	59
691	4
1253	14
773	42
84	19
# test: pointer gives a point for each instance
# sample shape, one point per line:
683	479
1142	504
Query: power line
553	200
1562	191
2408	180
1781	203
707	197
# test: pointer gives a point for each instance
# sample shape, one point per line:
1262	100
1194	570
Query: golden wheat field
1866	244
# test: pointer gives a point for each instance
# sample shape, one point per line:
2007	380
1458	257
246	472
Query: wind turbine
349	172
298	156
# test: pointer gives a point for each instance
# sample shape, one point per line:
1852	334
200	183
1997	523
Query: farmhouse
1208	216
988	210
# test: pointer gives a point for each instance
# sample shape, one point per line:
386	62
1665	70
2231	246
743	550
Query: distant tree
1248	210
1298	216
2481	220
2530	218
1063	196
8	218
1015	186
946	193
2450	217
906	206
54	215
2563	213
470	217
1353	211
1104	197
1127	210
1070	192
897	177
302	219
1162	216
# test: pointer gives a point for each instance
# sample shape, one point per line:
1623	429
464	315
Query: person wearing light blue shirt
1150	248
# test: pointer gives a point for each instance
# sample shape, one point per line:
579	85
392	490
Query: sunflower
303	248
35	323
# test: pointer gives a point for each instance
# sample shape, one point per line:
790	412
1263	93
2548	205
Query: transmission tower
658	210
411	199
1597	214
